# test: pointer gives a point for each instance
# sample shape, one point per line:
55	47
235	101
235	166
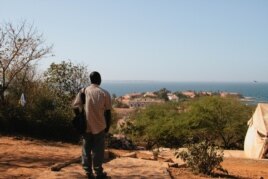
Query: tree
221	119
67	78
20	46
162	94
25	82
157	125
181	96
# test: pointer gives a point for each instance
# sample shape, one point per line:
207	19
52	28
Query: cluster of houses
136	100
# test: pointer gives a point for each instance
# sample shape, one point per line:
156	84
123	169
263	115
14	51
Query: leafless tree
20	46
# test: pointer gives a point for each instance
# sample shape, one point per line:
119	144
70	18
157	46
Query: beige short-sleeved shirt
98	101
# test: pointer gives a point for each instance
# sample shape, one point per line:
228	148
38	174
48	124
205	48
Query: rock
184	165
120	142
174	165
131	155
169	160
144	158
107	155
161	149
132	168
140	148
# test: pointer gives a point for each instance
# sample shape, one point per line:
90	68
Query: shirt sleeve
77	103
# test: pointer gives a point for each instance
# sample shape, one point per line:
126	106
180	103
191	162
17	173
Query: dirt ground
237	168
21	158
24	158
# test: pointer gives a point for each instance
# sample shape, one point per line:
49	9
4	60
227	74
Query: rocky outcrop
120	142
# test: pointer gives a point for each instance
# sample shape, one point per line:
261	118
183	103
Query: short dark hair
95	78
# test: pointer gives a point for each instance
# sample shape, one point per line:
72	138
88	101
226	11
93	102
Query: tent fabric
256	140
260	118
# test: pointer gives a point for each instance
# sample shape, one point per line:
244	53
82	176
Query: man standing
98	114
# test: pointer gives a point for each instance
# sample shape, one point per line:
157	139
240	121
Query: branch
25	50
58	167
14	38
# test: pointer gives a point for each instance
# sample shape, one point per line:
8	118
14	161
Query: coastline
251	92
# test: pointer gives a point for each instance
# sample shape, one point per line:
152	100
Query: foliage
45	115
56	114
19	46
181	96
220	119
162	94
25	83
157	125
202	157
67	78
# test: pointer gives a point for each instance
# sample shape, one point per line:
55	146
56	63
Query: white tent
256	141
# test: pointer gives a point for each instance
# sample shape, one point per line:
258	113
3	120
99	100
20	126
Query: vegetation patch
203	157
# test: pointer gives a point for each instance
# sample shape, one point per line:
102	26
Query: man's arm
108	119
107	112
79	101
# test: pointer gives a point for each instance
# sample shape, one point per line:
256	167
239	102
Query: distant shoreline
160	81
249	90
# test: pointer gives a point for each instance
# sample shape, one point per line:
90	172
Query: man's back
97	102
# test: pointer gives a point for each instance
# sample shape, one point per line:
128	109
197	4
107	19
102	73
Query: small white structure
22	100
256	140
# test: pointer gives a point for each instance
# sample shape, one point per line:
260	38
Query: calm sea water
257	91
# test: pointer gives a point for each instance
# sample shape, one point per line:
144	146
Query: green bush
220	119
159	125
47	113
13	119
50	117
203	157
45	116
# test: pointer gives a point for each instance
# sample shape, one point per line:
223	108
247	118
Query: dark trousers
93	152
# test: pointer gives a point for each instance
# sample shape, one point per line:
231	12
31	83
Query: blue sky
166	40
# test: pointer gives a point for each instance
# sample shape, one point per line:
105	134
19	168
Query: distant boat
255	81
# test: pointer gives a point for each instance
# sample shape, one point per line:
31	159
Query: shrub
202	157
45	116
157	125
223	118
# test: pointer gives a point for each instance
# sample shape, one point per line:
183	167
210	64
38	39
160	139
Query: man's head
95	78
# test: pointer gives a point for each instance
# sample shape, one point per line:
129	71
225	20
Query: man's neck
93	84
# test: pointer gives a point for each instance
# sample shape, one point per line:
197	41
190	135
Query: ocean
256	91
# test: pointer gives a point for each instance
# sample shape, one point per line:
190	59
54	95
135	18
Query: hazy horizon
153	40
167	81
